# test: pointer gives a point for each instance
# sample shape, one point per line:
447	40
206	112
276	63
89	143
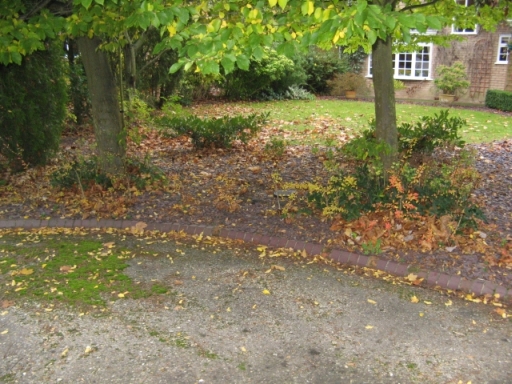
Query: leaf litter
234	189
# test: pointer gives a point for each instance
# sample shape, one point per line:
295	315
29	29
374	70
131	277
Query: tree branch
37	8
419	5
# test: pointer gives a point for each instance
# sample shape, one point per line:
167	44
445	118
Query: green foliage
272	75
453	79
32	107
295	92
497	99
85	173
431	132
321	66
276	147
436	187
220	133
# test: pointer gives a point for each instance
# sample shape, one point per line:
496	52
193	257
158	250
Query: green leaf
100	2
282	3
272	3
210	67
192	50
176	67
243	62
434	22
258	53
227	64
86	3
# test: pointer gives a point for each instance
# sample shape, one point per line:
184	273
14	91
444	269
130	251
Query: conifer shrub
33	99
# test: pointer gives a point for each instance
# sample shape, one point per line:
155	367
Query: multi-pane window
411	65
464	31
503	49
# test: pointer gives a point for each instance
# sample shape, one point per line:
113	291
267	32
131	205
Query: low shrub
220	133
321	66
501	100
438	186
84	174
272	75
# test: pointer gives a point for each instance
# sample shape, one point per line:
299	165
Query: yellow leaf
422	314
414	299
278	267
371	301
64	353
412	277
266	292
272	3
228	310
26	271
88	350
120	295
427	302
369	327
4	332
448	303
243	349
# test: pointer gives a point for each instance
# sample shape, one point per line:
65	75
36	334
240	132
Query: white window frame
414	59
464	31
503	49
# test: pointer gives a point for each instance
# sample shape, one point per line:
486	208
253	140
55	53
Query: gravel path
317	325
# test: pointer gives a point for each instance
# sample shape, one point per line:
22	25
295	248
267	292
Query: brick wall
479	53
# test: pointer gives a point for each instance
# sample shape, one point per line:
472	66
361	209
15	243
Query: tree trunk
385	108
108	127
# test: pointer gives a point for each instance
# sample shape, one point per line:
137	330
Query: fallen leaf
266	292
26	271
278	267
372	301
243	349
412	277
110	244
427	302
88	350
64	353
120	295
448	303
369	327
414	299
4	332
7	303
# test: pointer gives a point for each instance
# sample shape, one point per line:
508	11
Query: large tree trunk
105	106
385	108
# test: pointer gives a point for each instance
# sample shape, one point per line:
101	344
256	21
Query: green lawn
354	116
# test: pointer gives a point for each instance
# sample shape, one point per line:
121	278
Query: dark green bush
219	133
501	100
431	132
274	74
424	136
32	107
321	66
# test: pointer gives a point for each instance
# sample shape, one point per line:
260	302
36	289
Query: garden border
431	279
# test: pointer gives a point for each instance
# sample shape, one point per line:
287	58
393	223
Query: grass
78	272
320	119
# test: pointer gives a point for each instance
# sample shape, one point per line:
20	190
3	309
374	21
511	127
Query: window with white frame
410	65
465	31
503	49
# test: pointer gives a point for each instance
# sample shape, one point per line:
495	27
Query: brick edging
430	278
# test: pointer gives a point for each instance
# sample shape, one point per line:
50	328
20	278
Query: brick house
485	55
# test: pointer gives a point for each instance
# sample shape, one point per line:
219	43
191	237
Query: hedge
501	100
